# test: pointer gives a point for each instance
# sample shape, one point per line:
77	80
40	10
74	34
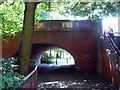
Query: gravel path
71	81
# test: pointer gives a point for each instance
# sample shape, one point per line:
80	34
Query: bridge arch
39	48
82	45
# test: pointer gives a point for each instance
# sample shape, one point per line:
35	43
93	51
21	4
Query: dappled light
79	81
71	84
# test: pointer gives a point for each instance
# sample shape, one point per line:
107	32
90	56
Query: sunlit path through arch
56	57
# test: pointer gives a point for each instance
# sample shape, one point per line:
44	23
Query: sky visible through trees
12	13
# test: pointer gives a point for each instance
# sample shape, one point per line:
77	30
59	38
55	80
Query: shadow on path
65	77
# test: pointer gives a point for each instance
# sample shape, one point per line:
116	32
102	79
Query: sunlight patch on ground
74	84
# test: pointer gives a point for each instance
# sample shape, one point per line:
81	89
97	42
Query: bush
10	78
47	58
11	17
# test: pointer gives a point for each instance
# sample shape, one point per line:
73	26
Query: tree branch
2	1
49	6
75	5
12	3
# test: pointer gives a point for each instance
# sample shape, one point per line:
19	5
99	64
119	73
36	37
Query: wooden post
56	57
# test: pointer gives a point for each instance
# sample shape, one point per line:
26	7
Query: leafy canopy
11	18
11	14
47	10
93	10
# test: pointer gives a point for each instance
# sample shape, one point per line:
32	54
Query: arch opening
56	57
51	55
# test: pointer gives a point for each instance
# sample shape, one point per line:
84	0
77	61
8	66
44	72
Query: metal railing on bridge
30	81
113	51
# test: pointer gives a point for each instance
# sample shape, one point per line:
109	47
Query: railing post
30	81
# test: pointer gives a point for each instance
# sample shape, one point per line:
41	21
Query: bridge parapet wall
67	25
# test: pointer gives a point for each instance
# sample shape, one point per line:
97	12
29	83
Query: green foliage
10	78
41	12
12	18
49	11
46	58
11	14
58	50
49	57
93	10
45	15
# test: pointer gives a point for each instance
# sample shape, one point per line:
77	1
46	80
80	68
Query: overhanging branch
2	1
12	3
75	5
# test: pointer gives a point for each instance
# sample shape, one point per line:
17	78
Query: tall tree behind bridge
77	8
93	10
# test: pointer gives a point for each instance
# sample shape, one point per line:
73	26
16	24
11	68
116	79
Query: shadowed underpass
65	77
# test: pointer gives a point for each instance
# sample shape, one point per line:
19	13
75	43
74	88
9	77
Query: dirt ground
57	77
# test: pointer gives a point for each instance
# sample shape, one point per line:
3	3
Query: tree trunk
26	42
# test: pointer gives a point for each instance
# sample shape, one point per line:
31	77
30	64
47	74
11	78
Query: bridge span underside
82	45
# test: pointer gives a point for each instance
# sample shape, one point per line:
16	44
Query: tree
46	11
77	8
10	78
12	23
93	10
11	18
26	42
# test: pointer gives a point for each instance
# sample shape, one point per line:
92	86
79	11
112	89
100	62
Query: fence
30	81
113	52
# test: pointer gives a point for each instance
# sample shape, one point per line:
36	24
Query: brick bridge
81	42
82	45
